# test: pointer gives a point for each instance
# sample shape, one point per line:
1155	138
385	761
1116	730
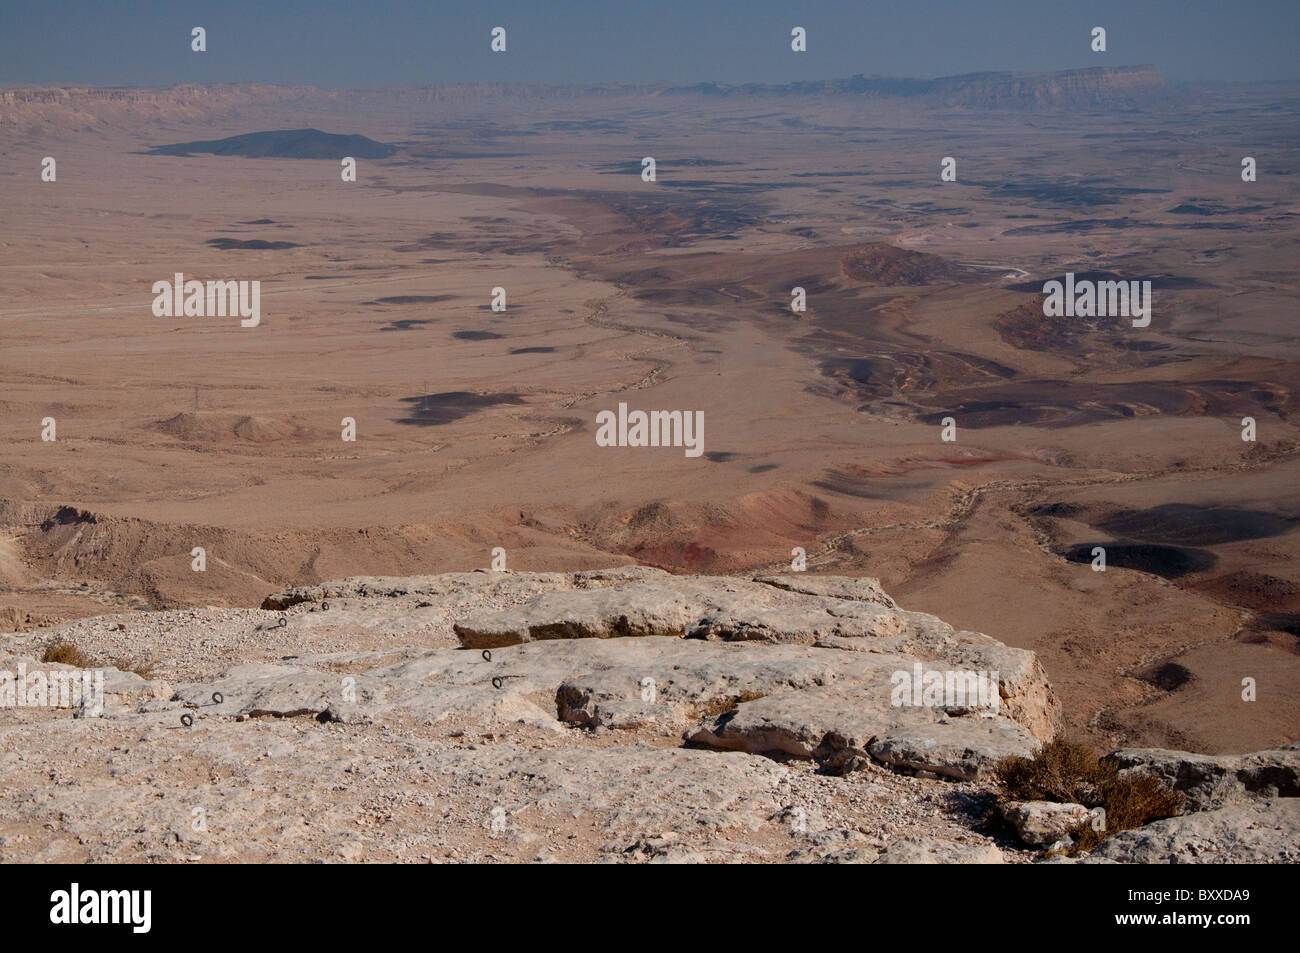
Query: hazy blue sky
112	43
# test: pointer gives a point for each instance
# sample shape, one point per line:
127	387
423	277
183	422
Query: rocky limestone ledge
818	612
730	676
726	641
786	665
644	716
1262	831
1209	782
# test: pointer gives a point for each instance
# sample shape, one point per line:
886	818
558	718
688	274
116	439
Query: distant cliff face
1124	87
1099	87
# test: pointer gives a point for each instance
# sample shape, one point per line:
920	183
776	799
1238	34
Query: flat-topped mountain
283	144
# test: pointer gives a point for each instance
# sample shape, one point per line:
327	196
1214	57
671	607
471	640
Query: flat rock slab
680	682
716	607
823	612
1260	832
608	650
966	748
835	724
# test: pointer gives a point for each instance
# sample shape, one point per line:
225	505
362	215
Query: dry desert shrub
1068	772
62	652
142	665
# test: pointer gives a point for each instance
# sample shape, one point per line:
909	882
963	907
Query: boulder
1044	822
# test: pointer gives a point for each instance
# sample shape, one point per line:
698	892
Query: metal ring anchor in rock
218	698
487	655
187	720
497	682
324	607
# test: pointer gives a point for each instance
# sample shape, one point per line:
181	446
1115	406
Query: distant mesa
251	244
283	144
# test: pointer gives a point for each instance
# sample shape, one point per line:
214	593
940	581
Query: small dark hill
283	144
883	264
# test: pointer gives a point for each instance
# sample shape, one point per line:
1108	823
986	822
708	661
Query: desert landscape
498	275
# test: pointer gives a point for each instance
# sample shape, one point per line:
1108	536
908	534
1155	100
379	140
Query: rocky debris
922	850
639	786
1043	823
480	582
1209	781
1265	831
